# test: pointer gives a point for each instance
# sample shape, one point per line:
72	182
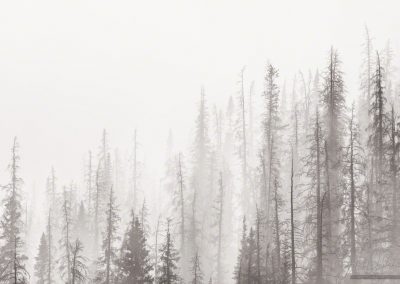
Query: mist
254	141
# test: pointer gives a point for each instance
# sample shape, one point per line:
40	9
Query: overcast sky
70	68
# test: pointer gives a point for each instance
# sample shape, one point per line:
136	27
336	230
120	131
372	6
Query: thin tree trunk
134	171
49	233
319	207
182	203
292	225
393	166
244	165
109	237
258	246
353	257
277	229
156	252
220	223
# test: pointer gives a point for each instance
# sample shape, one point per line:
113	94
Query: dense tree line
300	188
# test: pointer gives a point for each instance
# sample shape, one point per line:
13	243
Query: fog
69	69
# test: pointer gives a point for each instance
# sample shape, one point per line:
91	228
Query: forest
295	184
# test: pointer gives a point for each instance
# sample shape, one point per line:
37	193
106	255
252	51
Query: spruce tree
106	262
354	179
168	257
134	264
333	103
78	263
65	244
41	264
377	140
11	257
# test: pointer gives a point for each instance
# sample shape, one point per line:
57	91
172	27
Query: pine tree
378	124
134	265
292	226
106	272
377	140
354	205
42	259
78	265
180	202
243	151
333	102
102	186
11	258
200	183
168	258
50	250
313	173
271	124
65	244
365	85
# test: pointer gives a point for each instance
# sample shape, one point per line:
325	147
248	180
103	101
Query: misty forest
292	182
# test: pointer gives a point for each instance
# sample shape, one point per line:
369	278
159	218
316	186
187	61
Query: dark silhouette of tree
168	261
333	103
134	265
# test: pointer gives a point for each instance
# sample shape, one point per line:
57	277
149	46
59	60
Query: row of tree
287	187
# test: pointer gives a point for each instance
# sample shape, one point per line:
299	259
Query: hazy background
70	68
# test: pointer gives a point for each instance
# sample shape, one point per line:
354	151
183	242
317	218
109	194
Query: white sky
70	68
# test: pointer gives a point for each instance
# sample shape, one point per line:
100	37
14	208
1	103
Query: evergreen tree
134	265
201	159
270	194
168	258
42	259
354	172
50	250
11	257
78	265
313	174
377	140
333	102
65	244
106	272
243	151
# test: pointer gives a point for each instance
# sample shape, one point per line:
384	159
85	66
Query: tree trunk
292	226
